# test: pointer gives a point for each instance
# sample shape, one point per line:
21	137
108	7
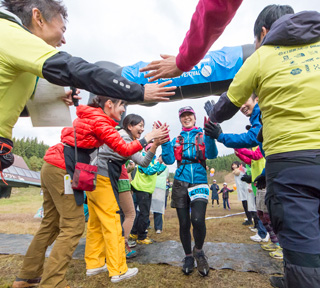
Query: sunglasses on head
183	109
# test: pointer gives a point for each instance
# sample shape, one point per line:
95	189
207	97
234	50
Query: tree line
222	163
31	150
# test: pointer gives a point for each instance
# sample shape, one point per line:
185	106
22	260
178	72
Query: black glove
208	106
246	178
260	182
212	130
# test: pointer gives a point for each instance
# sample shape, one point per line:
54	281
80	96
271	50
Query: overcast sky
125	32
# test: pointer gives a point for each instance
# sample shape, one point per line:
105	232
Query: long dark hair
133	120
235	162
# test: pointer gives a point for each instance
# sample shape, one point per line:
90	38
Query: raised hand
165	68
208	106
158	92
161	132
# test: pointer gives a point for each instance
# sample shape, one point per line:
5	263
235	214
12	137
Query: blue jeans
226	203
157	221
262	231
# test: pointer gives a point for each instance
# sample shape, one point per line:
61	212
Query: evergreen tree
31	150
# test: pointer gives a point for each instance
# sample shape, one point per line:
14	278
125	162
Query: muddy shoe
202	263
23	283
188	265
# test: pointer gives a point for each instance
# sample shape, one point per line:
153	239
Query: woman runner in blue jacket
190	186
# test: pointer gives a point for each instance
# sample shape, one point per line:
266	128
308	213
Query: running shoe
23	283
133	236
95	271
129	252
145	241
132	243
257	238
270	247
130	273
188	265
278	254
202	263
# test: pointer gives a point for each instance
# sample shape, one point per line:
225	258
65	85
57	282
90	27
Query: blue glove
208	106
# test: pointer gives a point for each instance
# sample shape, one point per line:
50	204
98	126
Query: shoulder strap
75	144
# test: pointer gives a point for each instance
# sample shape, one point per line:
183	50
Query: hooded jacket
93	129
193	172
146	177
284	73
244	140
106	153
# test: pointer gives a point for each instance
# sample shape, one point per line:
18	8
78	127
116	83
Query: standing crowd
277	88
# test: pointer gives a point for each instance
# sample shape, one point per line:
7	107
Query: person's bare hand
158	92
67	99
160	141
165	68
161	132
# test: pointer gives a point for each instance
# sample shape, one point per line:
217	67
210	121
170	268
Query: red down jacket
94	128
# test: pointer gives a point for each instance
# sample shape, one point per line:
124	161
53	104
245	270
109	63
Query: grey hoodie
106	154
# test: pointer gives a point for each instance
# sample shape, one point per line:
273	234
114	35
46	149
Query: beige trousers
63	223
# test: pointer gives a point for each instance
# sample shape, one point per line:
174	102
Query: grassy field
16	216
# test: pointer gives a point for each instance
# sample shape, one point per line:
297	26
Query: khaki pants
104	232
63	223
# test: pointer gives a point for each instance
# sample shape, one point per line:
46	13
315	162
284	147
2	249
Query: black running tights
245	208
198	213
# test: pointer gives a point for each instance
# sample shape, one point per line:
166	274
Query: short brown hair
23	9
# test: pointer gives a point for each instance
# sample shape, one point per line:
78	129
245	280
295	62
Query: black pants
245	208
141	222
293	201
216	200
197	218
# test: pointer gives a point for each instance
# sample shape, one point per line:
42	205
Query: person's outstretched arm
64	70
207	24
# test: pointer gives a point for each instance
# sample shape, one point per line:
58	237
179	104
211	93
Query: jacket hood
84	111
5	14
294	29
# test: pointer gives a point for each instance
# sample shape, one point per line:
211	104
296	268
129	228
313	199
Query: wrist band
143	142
